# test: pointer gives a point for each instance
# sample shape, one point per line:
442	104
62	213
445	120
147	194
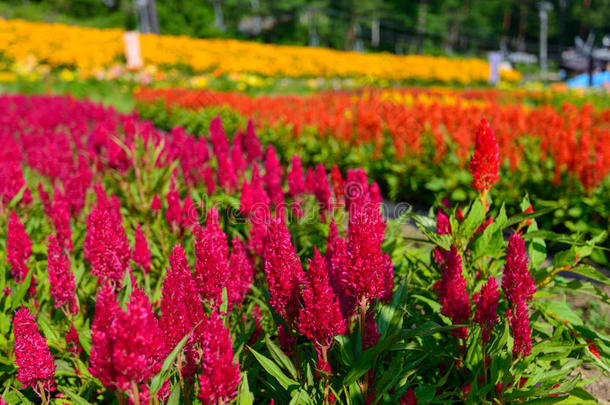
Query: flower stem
42	394
120	398
187	400
325	358
135	392
361	323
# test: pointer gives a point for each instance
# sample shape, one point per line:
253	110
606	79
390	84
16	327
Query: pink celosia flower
258	236
452	292
18	248
12	181
212	251
173	214
310	181
283	270
366	276
485	161
322	191
209	179
106	310
190	216
181	310
320	319
106	245
517	282
371	334
218	138
356	189
296	178
375	193
118	355
60	214
246	201
155	204
73	342
409	398
45	199
227	176
273	176
241	274
518	285
487	305
32	354
237	153
337	259
61	278
252	145
520	328
261	199
141	253
219	376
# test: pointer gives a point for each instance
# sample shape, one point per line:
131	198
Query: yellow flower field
86	49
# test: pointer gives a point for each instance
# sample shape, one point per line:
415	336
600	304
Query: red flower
408	398
173	214
106	245
517	282
283	270
273	177
181	310
61	279
520	327
118	355
219	376
60	214
485	161
322	191
237	154
452	292
296	178
241	274
338	184
487	305
212	267
73	342
218	138
32	354
226	173
320	318
141	253
18	248
252	145
155	204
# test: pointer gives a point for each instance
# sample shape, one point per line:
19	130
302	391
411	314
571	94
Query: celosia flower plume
18	248
487	305
141	252
61	279
32	354
485	161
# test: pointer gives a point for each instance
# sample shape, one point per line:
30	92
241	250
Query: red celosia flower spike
452	292
218	138
241	274
212	266
32	354
106	309
181	310
322	191
273	176
338	184
283	270
237	153
141	252
155	204
18	248
73	341
517	282
487	305
485	162
252	144
296	178
219	376
61	278
520	327
320	318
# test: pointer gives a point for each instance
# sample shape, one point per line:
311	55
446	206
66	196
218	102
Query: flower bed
88	49
416	143
149	267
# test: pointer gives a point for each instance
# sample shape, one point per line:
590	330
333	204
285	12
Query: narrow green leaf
280	357
274	370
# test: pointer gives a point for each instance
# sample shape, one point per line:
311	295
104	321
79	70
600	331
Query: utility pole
219	21
543	11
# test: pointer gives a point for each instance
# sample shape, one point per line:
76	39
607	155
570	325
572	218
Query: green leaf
426	226
279	356
244	396
471	223
158	380
17	299
515	219
174	397
559	310
274	370
590	272
75	397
